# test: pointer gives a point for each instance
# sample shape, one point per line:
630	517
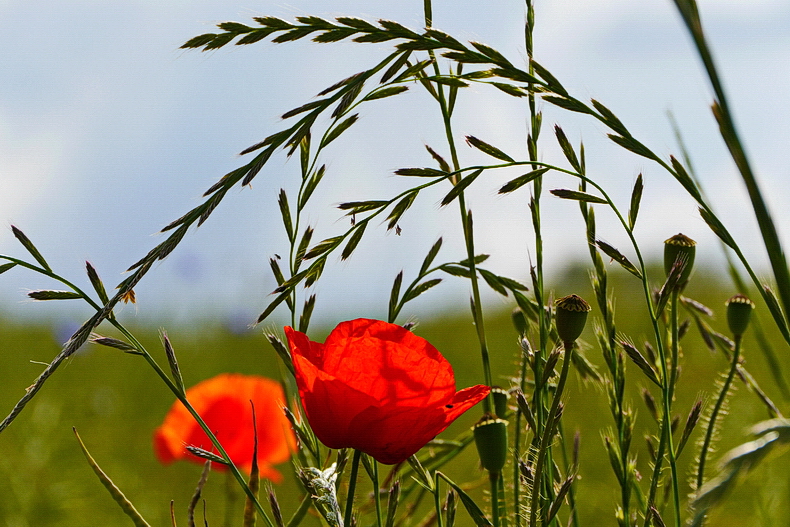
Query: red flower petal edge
377	387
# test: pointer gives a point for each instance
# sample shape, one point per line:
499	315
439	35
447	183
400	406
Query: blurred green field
115	401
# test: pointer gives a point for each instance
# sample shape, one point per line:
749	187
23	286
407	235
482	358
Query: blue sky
108	131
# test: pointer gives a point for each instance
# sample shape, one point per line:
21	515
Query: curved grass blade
115	492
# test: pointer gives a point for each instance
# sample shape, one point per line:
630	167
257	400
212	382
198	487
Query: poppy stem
715	413
377	492
352	486
548	433
494	478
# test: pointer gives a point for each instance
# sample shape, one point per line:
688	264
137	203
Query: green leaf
551	80
44	294
475	512
272	306
460	187
285	213
629	143
413	70
568	104
126	506
448	81
354	240
307	312
385	92
199	41
303	243
445	39
577	196
323	246
683	177
439	159
356	23
515	91
618	257
421	172
312	183
567	148
401	207
420	289
115	343
394	296
610	119
339	129
396	66
493	281
467	57
315	271
426	263
334	35
96	282
636	199
6	267
480	258
304	108
495	56
456	270
355	207
520	181
488	149
25	241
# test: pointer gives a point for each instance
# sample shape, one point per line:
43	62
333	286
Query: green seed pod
491	440
680	247
501	397
570	317
739	312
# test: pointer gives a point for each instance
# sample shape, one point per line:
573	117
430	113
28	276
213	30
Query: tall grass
539	483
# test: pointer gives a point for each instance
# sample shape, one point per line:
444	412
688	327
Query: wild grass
643	355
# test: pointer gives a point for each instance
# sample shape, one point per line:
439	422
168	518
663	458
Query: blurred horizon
108	131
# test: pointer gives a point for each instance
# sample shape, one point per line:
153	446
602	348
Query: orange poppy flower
224	404
377	387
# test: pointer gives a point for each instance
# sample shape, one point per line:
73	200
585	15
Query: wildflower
378	388
224	404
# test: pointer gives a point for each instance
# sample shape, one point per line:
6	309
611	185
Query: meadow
116	402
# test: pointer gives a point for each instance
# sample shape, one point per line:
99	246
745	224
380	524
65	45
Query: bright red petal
224	404
390	363
393	434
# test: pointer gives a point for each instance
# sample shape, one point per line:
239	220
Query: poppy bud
500	396
679	248
491	440
570	317
739	312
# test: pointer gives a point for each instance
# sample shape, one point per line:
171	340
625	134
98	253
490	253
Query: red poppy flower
224	404
378	388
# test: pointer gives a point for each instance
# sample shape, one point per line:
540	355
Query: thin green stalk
466	220
547	433
376	492
494	477
716	409
437	503
352	486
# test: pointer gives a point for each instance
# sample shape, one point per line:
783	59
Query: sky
109	131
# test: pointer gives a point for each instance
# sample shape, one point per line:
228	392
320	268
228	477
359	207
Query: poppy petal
388	362
377	387
223	402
